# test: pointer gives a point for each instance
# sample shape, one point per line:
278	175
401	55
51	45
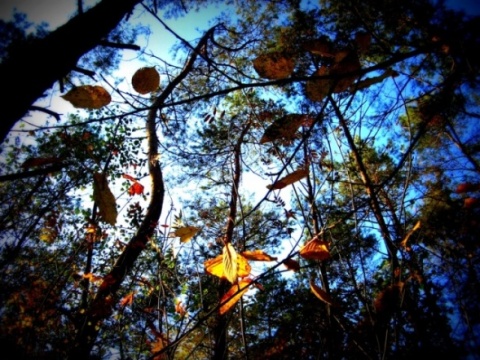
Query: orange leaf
291	264
258	255
129	177
127	300
215	266
88	97
274	65
233	295
289	179
179	308
404	241
136	189
315	249
320	293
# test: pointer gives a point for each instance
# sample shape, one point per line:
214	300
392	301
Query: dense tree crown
298	180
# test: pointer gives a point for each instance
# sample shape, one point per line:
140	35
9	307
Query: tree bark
34	66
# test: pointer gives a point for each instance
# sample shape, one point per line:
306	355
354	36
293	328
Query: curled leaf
320	293
230	265
233	295
291	264
146	80
289	179
215	266
258	255
185	233
315	249
88	97
274	65
103	197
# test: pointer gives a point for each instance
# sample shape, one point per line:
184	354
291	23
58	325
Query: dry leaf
215	266
48	234
257	255
291	264
274	65
284	128
233	295
405	240
160	342
104	199
320	293
321	47
127	299
88	97
185	233
32	162
289	179
318	89
230	265
146	80
315	249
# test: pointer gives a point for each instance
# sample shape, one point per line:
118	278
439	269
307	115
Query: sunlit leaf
185	233
127	299
93	278
230	265
274	65
233	295
257	255
179	308
291	264
103	197
88	97
146	80
289	179
320	293
215	266
135	189
284	128
405	239
158	345
315	249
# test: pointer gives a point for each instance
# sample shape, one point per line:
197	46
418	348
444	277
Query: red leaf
129	177
136	189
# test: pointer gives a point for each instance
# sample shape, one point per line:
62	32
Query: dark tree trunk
34	67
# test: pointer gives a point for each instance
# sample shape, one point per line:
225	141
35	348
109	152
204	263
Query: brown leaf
127	299
320	293
289	179
274	65
103	197
88	97
146	80
291	264
284	128
233	295
315	249
32	162
258	255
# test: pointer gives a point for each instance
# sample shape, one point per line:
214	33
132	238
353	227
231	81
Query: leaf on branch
285	127
315	249
103	197
257	255
127	299
88	97
230	265
136	188
156	346
320	293
185	233
405	240
233	295
179	308
289	179
48	234
215	266
322	47
146	80
33	162
274	65
291	264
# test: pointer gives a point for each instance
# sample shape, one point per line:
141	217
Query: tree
355	238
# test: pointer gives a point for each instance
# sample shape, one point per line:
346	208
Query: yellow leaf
233	295
315	249
274	65
404	241
230	265
88	97
289	179
258	255
48	234
215	266
146	80
103	197
185	233
320	293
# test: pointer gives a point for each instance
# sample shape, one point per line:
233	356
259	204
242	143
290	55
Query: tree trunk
34	67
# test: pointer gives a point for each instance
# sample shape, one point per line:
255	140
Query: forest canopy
289	179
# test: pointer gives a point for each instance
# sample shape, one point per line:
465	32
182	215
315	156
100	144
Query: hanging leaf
289	179
127	299
315	249
274	65
257	255
389	299
291	264
322	47
284	128
320	293
136	189
146	80
88	97
48	234
104	199
230	265
233	295
156	346
179	308
185	233
363	41
318	89
215	266
405	240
